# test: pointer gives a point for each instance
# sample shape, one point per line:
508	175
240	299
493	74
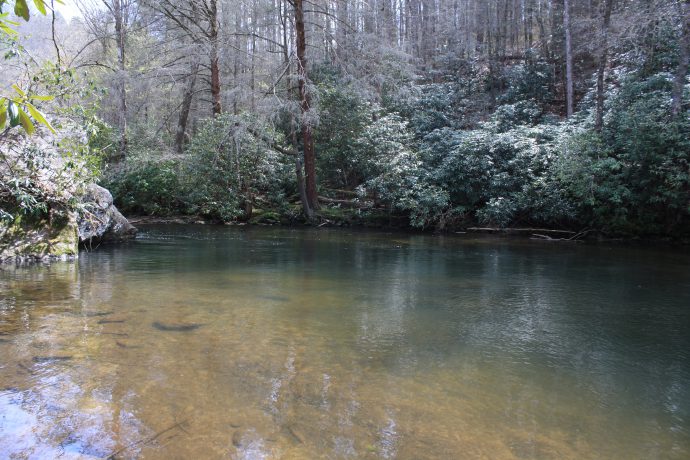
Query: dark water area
258	343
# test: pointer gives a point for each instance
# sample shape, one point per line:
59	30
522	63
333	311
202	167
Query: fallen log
348	203
342	192
530	231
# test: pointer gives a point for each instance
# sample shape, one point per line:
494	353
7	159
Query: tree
210	10
186	105
569	91
683	56
305	107
599	120
123	14
199	23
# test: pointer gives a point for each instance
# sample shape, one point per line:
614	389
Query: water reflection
329	344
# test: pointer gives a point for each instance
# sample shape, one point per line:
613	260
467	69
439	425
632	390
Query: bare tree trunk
252	80
215	69
546	49
426	35
530	26
236	61
308	212
404	24
599	121
684	52
52	30
120	30
341	32
569	104
186	105
305	105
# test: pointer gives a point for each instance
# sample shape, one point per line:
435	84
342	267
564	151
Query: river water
260	343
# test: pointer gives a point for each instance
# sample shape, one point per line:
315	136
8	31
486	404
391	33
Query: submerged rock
101	221
50	359
275	298
92	314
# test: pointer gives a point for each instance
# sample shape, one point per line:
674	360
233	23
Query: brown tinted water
249	343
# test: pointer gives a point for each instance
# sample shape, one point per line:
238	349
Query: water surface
252	343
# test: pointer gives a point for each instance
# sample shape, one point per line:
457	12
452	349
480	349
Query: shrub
634	177
343	115
225	168
502	178
148	187
396	176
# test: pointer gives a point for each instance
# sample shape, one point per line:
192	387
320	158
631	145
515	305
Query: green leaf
21	9
19	90
3	19
38	116
41	98
3	117
40	6
13	112
6	29
26	122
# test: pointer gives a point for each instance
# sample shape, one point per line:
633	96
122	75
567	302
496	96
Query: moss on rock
31	238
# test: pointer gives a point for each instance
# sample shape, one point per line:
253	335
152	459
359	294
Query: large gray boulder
100	221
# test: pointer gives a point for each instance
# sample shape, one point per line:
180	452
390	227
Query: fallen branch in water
145	441
579	234
542	231
537	236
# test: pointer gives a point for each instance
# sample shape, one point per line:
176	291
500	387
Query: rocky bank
58	236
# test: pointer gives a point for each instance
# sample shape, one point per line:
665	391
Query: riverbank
326	217
334	217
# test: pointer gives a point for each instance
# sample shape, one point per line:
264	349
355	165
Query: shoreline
536	234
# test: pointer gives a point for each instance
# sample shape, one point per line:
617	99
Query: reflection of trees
73	405
544	320
28	293
63	414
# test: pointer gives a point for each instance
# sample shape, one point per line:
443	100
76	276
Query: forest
347	229
430	114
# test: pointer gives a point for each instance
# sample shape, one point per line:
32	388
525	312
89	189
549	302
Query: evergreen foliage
449	117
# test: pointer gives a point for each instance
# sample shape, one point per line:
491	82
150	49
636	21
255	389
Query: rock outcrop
28	239
47	206
57	237
100	221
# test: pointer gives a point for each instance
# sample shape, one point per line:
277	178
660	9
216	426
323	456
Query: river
260	343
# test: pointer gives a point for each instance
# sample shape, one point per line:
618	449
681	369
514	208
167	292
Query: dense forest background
443	114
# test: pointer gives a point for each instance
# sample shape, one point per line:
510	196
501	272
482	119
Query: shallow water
252	343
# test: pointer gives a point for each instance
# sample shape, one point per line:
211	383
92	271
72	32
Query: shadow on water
175	327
